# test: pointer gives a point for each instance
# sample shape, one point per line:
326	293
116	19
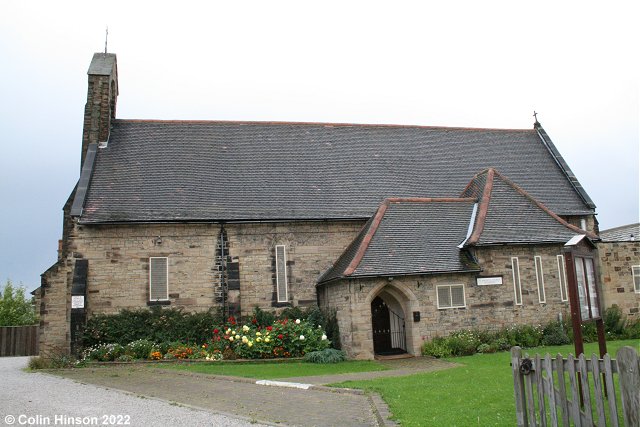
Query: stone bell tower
102	95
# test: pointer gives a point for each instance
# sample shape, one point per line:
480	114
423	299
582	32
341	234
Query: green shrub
124	358
436	348
525	336
614	322
589	332
103	352
463	343
487	348
156	325
52	360
632	330
328	355
555	334
139	349
262	318
501	344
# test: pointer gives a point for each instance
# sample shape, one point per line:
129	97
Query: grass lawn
479	393
266	370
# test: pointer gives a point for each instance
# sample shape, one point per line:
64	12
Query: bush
285	338
555	334
632	330
525	336
614	322
487	348
52	360
328	355
463	343
103	352
262	318
438	347
156	325
139	349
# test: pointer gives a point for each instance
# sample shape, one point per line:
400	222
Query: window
540	279
450	296
562	277
281	274
635	270
158	279
517	288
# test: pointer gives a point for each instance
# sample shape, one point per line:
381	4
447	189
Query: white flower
245	339
258	334
237	337
301	337
245	328
230	338
297	321
319	326
324	337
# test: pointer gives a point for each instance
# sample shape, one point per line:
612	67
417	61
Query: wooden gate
578	392
18	340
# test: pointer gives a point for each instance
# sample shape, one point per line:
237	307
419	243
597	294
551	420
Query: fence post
518	387
629	372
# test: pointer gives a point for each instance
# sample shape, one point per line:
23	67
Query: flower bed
282	339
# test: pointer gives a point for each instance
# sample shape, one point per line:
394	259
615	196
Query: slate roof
625	233
163	171
409	236
428	236
509	215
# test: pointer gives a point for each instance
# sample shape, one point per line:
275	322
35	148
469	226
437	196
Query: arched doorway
388	326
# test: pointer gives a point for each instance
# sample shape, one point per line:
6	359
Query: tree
15	309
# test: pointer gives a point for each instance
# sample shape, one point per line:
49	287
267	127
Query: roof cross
106	37
535	115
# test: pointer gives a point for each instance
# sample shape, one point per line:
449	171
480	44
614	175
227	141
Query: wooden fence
18	340
577	391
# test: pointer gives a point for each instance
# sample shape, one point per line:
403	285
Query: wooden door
381	326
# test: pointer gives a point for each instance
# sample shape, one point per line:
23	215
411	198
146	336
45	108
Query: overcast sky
472	64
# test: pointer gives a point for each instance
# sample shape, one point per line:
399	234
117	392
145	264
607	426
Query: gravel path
44	400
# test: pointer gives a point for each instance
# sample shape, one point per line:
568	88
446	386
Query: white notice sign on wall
481	281
77	301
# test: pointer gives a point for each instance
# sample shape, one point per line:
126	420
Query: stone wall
487	306
118	272
616	260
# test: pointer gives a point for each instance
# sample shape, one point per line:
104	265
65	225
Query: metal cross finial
535	115
106	37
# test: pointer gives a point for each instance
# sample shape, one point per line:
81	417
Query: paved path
316	406
278	405
36	399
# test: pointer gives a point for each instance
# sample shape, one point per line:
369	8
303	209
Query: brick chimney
102	95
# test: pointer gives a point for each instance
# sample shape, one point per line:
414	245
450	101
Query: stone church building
408	232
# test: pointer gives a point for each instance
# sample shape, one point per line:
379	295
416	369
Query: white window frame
562	277
279	281
635	273
517	285
537	262
166	277
464	296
